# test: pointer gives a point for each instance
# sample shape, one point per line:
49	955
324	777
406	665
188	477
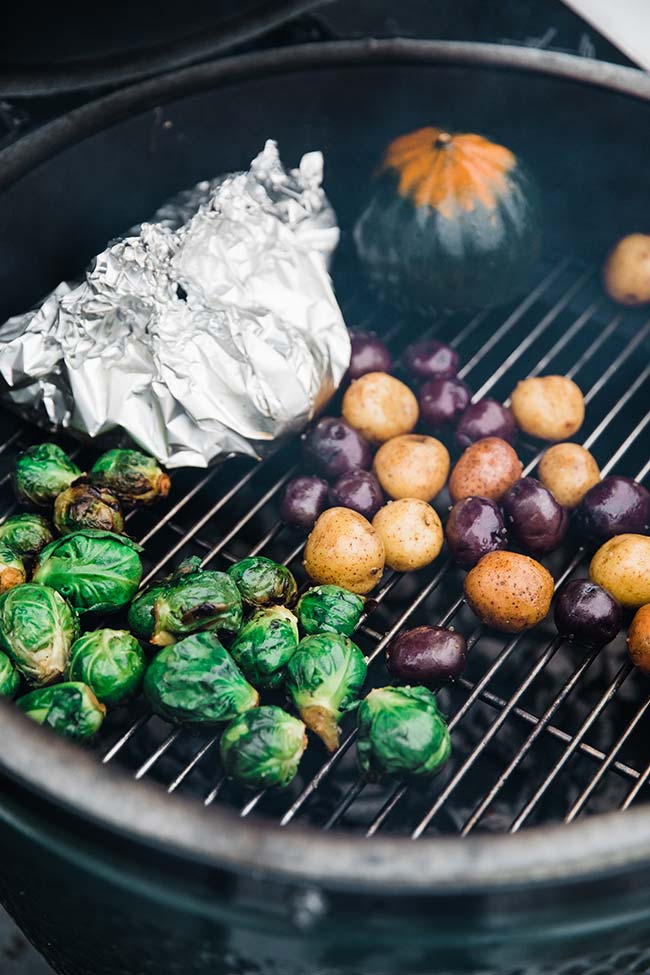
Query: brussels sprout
9	677
324	677
265	644
263	582
330	609
37	629
141	619
263	747
26	534
133	477
94	570
401	733
12	570
196	681
111	662
85	506
70	709
41	473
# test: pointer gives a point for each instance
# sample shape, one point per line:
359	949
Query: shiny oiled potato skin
411	532
380	407
638	639
626	275
486	469
568	471
412	466
622	567
345	550
548	407
509	592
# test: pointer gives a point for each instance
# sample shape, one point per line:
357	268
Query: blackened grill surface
542	731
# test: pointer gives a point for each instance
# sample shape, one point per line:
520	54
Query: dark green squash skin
418	259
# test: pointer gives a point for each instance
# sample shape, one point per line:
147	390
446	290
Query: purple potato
442	400
334	448
533	516
303	501
358	490
486	418
431	358
427	655
369	354
587	614
614	506
475	527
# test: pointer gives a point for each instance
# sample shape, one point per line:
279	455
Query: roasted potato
509	592
622	566
486	469
380	407
626	275
412	466
345	550
548	407
411	532
638	639
568	471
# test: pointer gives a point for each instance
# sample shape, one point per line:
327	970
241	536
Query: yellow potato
411	532
344	549
568	471
622	566
486	470
626	275
380	407
509	592
412	466
638	639
548	407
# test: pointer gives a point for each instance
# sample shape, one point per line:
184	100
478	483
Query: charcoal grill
159	863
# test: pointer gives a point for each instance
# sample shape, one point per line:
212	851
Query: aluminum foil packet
214	328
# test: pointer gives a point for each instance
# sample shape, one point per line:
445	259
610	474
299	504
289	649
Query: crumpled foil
214	328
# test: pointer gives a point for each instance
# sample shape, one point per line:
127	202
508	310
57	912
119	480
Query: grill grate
542	731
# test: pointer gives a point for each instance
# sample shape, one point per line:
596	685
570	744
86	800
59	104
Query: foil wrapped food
212	329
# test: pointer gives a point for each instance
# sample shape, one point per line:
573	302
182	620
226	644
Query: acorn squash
453	221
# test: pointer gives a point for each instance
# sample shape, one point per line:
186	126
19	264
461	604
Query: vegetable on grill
622	567
9	677
133	477
265	644
110	662
344	549
330	609
332	448
442	401
586	613
71	709
614	506
37	630
42	472
263	747
96	571
262	582
85	506
411	532
486	469
626	274
548	407
324	677
303	500
412	466
358	490
486	418
12	569
533	517
638	639
141	619
427	655
197	682
380	407
474	527
430	358
401	733
568	471
27	534
367	354
508	591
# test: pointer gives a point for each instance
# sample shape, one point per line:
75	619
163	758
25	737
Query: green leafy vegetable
262	748
133	477
37	629
330	609
12	570
41	473
263	582
110	662
9	677
85	506
26	534
265	644
141	610
70	709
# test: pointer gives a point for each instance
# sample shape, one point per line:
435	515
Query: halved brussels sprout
330	609
197	682
133	477
401	733
72	710
263	582
141	610
94	570
111	662
262	748
86	506
9	677
37	629
12	570
324	677
27	534
265	644
42	472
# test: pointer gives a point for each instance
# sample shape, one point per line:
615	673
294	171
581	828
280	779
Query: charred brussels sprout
263	747
37	629
12	570
133	477
9	677
26	534
94	570
401	733
330	609
69	709
265	645
263	582
85	506
110	662
41	473
141	619
197	682
324	677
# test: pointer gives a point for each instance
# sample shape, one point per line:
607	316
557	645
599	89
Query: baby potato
548	407
509	592
638	639
485	470
622	567
412	466
345	550
626	274
380	407
568	471
411	532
